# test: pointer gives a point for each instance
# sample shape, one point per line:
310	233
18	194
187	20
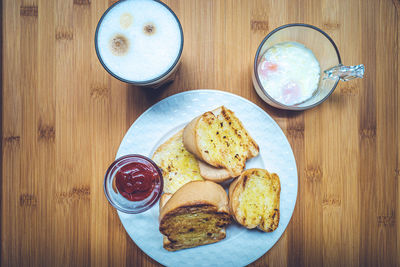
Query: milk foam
148	55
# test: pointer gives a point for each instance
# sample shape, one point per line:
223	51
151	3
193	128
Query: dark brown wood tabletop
64	116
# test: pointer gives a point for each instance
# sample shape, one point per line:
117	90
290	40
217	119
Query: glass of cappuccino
140	42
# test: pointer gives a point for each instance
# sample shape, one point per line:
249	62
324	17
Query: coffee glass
140	42
325	51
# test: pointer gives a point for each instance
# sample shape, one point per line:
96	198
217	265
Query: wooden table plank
64	116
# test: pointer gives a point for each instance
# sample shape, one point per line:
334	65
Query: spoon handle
344	73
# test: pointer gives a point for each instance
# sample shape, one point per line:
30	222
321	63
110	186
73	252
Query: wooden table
64	116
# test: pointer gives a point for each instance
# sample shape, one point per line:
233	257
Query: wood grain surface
64	116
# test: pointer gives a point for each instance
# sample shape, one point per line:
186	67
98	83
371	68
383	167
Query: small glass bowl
120	202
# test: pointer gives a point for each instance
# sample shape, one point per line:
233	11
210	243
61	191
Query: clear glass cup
170	72
117	200
324	50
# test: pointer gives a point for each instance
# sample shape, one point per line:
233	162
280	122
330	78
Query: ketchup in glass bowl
133	183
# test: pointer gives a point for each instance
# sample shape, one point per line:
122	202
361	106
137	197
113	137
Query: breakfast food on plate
195	215
219	139
177	164
194	211
254	199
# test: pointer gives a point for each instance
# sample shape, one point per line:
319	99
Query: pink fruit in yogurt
265	67
291	92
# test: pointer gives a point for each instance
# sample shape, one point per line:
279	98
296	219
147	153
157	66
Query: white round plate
241	246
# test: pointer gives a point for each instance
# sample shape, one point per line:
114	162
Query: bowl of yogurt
297	67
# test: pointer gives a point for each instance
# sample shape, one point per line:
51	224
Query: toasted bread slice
212	173
195	215
219	138
177	164
254	199
163	199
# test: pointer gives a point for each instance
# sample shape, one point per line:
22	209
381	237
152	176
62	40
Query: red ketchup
136	180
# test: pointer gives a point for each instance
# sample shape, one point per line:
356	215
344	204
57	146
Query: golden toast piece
218	138
177	164
254	199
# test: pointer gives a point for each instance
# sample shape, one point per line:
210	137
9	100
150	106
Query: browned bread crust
212	173
163	199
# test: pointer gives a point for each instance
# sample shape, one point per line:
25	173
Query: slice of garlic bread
177	164
254	199
211	173
195	215
163	200
219	138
